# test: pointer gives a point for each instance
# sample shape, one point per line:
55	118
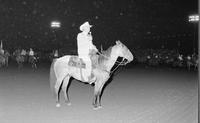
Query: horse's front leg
57	89
95	106
20	65
34	66
97	95
6	63
96	88
100	95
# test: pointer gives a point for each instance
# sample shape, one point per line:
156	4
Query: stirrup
91	79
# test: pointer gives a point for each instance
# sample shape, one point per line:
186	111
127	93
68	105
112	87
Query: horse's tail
52	76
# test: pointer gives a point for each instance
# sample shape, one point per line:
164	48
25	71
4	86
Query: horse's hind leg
19	65
57	89
188	66
35	65
6	63
65	87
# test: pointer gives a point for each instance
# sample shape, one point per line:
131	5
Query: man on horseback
55	55
31	52
2	57
1	49
23	52
32	58
31	55
85	45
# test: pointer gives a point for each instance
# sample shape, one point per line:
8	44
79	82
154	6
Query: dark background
138	24
139	94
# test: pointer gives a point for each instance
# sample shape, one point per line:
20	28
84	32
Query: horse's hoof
69	104
97	108
58	105
100	107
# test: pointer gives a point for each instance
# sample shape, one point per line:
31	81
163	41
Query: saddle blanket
75	61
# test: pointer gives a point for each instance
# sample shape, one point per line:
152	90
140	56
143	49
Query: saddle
75	61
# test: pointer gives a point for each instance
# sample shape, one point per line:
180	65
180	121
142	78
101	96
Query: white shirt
180	57
56	54
23	52
84	42
31	53
1	51
188	57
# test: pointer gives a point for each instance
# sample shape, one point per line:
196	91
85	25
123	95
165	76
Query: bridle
118	63
123	62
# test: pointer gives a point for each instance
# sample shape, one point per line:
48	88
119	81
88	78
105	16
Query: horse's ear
117	42
101	48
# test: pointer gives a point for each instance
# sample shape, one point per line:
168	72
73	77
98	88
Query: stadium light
194	18
55	24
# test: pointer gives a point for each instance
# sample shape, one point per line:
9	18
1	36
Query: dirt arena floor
135	95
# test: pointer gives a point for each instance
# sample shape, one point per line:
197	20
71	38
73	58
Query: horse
193	62
4	58
6	55
52	56
33	60
2	61
20	59
61	71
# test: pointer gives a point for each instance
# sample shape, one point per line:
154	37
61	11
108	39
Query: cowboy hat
86	24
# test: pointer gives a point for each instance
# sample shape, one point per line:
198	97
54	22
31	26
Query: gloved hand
95	48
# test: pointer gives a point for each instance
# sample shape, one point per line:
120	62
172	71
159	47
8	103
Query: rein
123	62
119	63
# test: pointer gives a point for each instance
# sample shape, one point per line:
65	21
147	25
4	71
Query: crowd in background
148	57
166	57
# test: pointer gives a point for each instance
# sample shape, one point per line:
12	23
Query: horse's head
123	51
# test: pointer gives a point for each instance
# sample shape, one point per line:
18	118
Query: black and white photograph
99	61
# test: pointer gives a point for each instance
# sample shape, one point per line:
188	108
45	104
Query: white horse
61	71
2	61
33	61
6	55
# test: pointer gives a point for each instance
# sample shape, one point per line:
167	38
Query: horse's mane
105	55
107	52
